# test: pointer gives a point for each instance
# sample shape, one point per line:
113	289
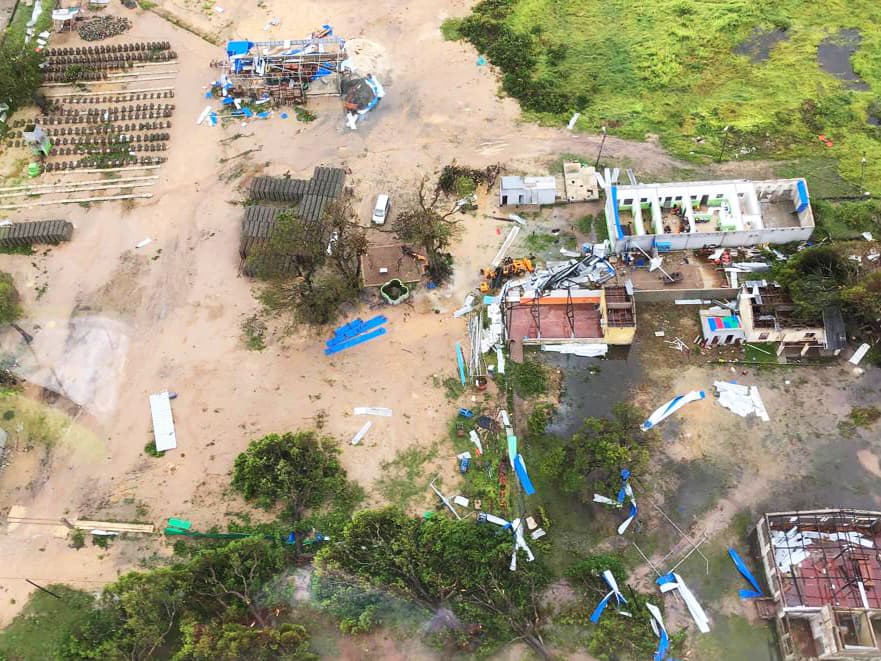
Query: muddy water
834	55
760	43
592	386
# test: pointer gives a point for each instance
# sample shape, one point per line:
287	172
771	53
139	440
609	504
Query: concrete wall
698	240
670	295
619	335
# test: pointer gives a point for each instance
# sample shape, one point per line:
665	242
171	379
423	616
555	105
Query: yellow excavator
509	268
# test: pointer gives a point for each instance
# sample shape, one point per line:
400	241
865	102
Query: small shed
580	182
721	326
527	191
387	262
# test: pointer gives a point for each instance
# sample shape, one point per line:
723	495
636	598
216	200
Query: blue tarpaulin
238	47
615	211
609	578
523	476
747	574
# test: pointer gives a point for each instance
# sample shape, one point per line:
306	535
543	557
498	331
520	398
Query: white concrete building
701	214
515	191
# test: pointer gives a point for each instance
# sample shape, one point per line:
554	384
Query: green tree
298	469
813	278
597	452
216	641
421	222
863	299
10	306
446	566
233	578
311	269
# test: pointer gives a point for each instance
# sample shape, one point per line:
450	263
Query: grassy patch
529	378
45	622
537	242
760	352
253	333
865	416
403	477
679	70
450	29
151	451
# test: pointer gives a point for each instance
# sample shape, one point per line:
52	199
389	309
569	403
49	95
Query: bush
10	308
297	469
451	29
529	378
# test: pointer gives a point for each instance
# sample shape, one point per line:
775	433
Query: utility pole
596	165
724	142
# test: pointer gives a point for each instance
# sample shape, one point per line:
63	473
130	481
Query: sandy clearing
115	324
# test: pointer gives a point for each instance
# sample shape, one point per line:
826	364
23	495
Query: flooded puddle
834	55
760	43
591	386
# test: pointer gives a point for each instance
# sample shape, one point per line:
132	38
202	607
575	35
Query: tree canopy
445	565
814	278
421	222
10	307
297	469
597	452
311	269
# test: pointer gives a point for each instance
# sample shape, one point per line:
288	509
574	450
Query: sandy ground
113	324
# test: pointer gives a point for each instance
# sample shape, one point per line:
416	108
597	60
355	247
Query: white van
381	209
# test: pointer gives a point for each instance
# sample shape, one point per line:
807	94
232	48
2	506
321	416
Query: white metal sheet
163	422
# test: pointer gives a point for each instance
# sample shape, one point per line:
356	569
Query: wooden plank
112	526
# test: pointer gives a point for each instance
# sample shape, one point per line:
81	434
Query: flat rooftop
553	322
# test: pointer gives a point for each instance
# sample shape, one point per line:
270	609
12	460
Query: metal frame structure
288	76
840	577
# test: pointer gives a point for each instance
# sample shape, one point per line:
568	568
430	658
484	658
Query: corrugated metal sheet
163	422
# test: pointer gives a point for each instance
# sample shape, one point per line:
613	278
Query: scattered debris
747	574
523	476
572	120
657	622
143	244
671	407
461	501
625	492
357	438
373	410
673	581
506	245
859	354
460	360
444	499
609	578
742	400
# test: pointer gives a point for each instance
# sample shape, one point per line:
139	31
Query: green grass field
36	633
672	68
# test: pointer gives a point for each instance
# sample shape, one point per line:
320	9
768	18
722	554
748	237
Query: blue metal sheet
803	200
348	344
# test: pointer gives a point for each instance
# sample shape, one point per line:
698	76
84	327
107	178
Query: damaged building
823	569
601	316
703	214
767	314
